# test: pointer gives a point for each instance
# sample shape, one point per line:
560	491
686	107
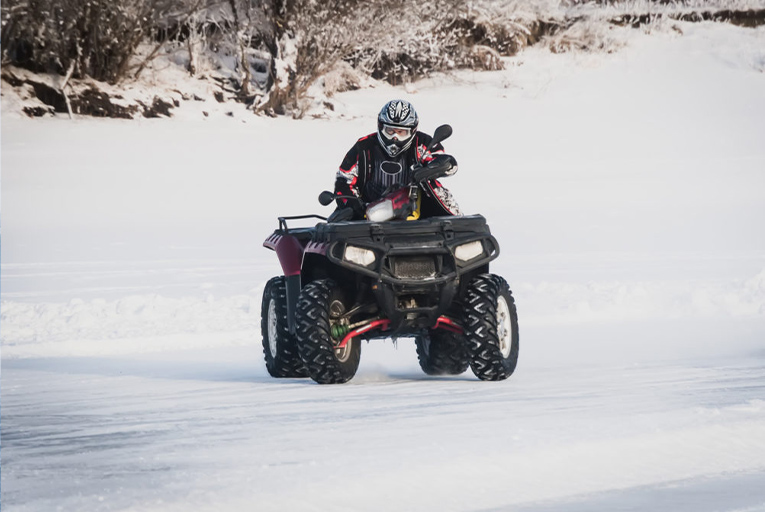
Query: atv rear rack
283	221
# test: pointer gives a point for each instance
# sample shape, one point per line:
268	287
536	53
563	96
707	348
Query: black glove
436	168
341	215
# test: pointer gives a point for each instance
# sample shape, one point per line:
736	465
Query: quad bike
428	279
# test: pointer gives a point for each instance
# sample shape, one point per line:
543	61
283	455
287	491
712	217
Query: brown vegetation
273	51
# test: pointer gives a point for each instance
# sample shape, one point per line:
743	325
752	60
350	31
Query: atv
387	277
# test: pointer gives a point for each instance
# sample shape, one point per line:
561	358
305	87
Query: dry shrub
486	58
343	77
96	38
585	36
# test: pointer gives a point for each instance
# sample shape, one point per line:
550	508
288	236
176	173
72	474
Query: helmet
396	126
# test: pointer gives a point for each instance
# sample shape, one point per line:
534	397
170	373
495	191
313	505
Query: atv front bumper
414	267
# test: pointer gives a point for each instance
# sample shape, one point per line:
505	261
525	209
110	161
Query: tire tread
486	359
314	339
287	363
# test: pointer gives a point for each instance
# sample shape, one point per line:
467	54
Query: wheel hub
272	331
336	311
504	327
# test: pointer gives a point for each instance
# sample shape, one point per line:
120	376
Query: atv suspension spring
339	331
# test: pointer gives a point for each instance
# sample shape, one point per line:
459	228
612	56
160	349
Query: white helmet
396	126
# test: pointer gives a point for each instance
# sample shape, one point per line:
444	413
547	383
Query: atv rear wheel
442	353
279	346
321	306
491	327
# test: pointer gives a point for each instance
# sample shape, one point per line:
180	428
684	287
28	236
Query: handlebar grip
427	174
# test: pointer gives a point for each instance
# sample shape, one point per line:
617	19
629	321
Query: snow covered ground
627	191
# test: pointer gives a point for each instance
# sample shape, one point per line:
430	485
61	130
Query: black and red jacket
367	170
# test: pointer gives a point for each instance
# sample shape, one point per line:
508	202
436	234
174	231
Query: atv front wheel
321	307
491	327
442	353
279	346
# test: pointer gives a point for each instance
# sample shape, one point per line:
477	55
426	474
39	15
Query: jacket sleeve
443	198
347	180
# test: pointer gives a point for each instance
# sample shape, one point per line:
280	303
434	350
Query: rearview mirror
442	133
326	197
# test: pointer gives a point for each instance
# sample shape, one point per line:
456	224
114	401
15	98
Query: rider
383	161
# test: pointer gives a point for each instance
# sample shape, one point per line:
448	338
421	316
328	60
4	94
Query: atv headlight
468	251
381	212
359	255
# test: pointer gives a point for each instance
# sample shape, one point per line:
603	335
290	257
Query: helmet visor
396	132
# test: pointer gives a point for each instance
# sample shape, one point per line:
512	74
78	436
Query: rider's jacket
367	172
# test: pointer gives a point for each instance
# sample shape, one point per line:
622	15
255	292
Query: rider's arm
446	204
347	180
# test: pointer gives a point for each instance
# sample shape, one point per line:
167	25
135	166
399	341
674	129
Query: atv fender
289	250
